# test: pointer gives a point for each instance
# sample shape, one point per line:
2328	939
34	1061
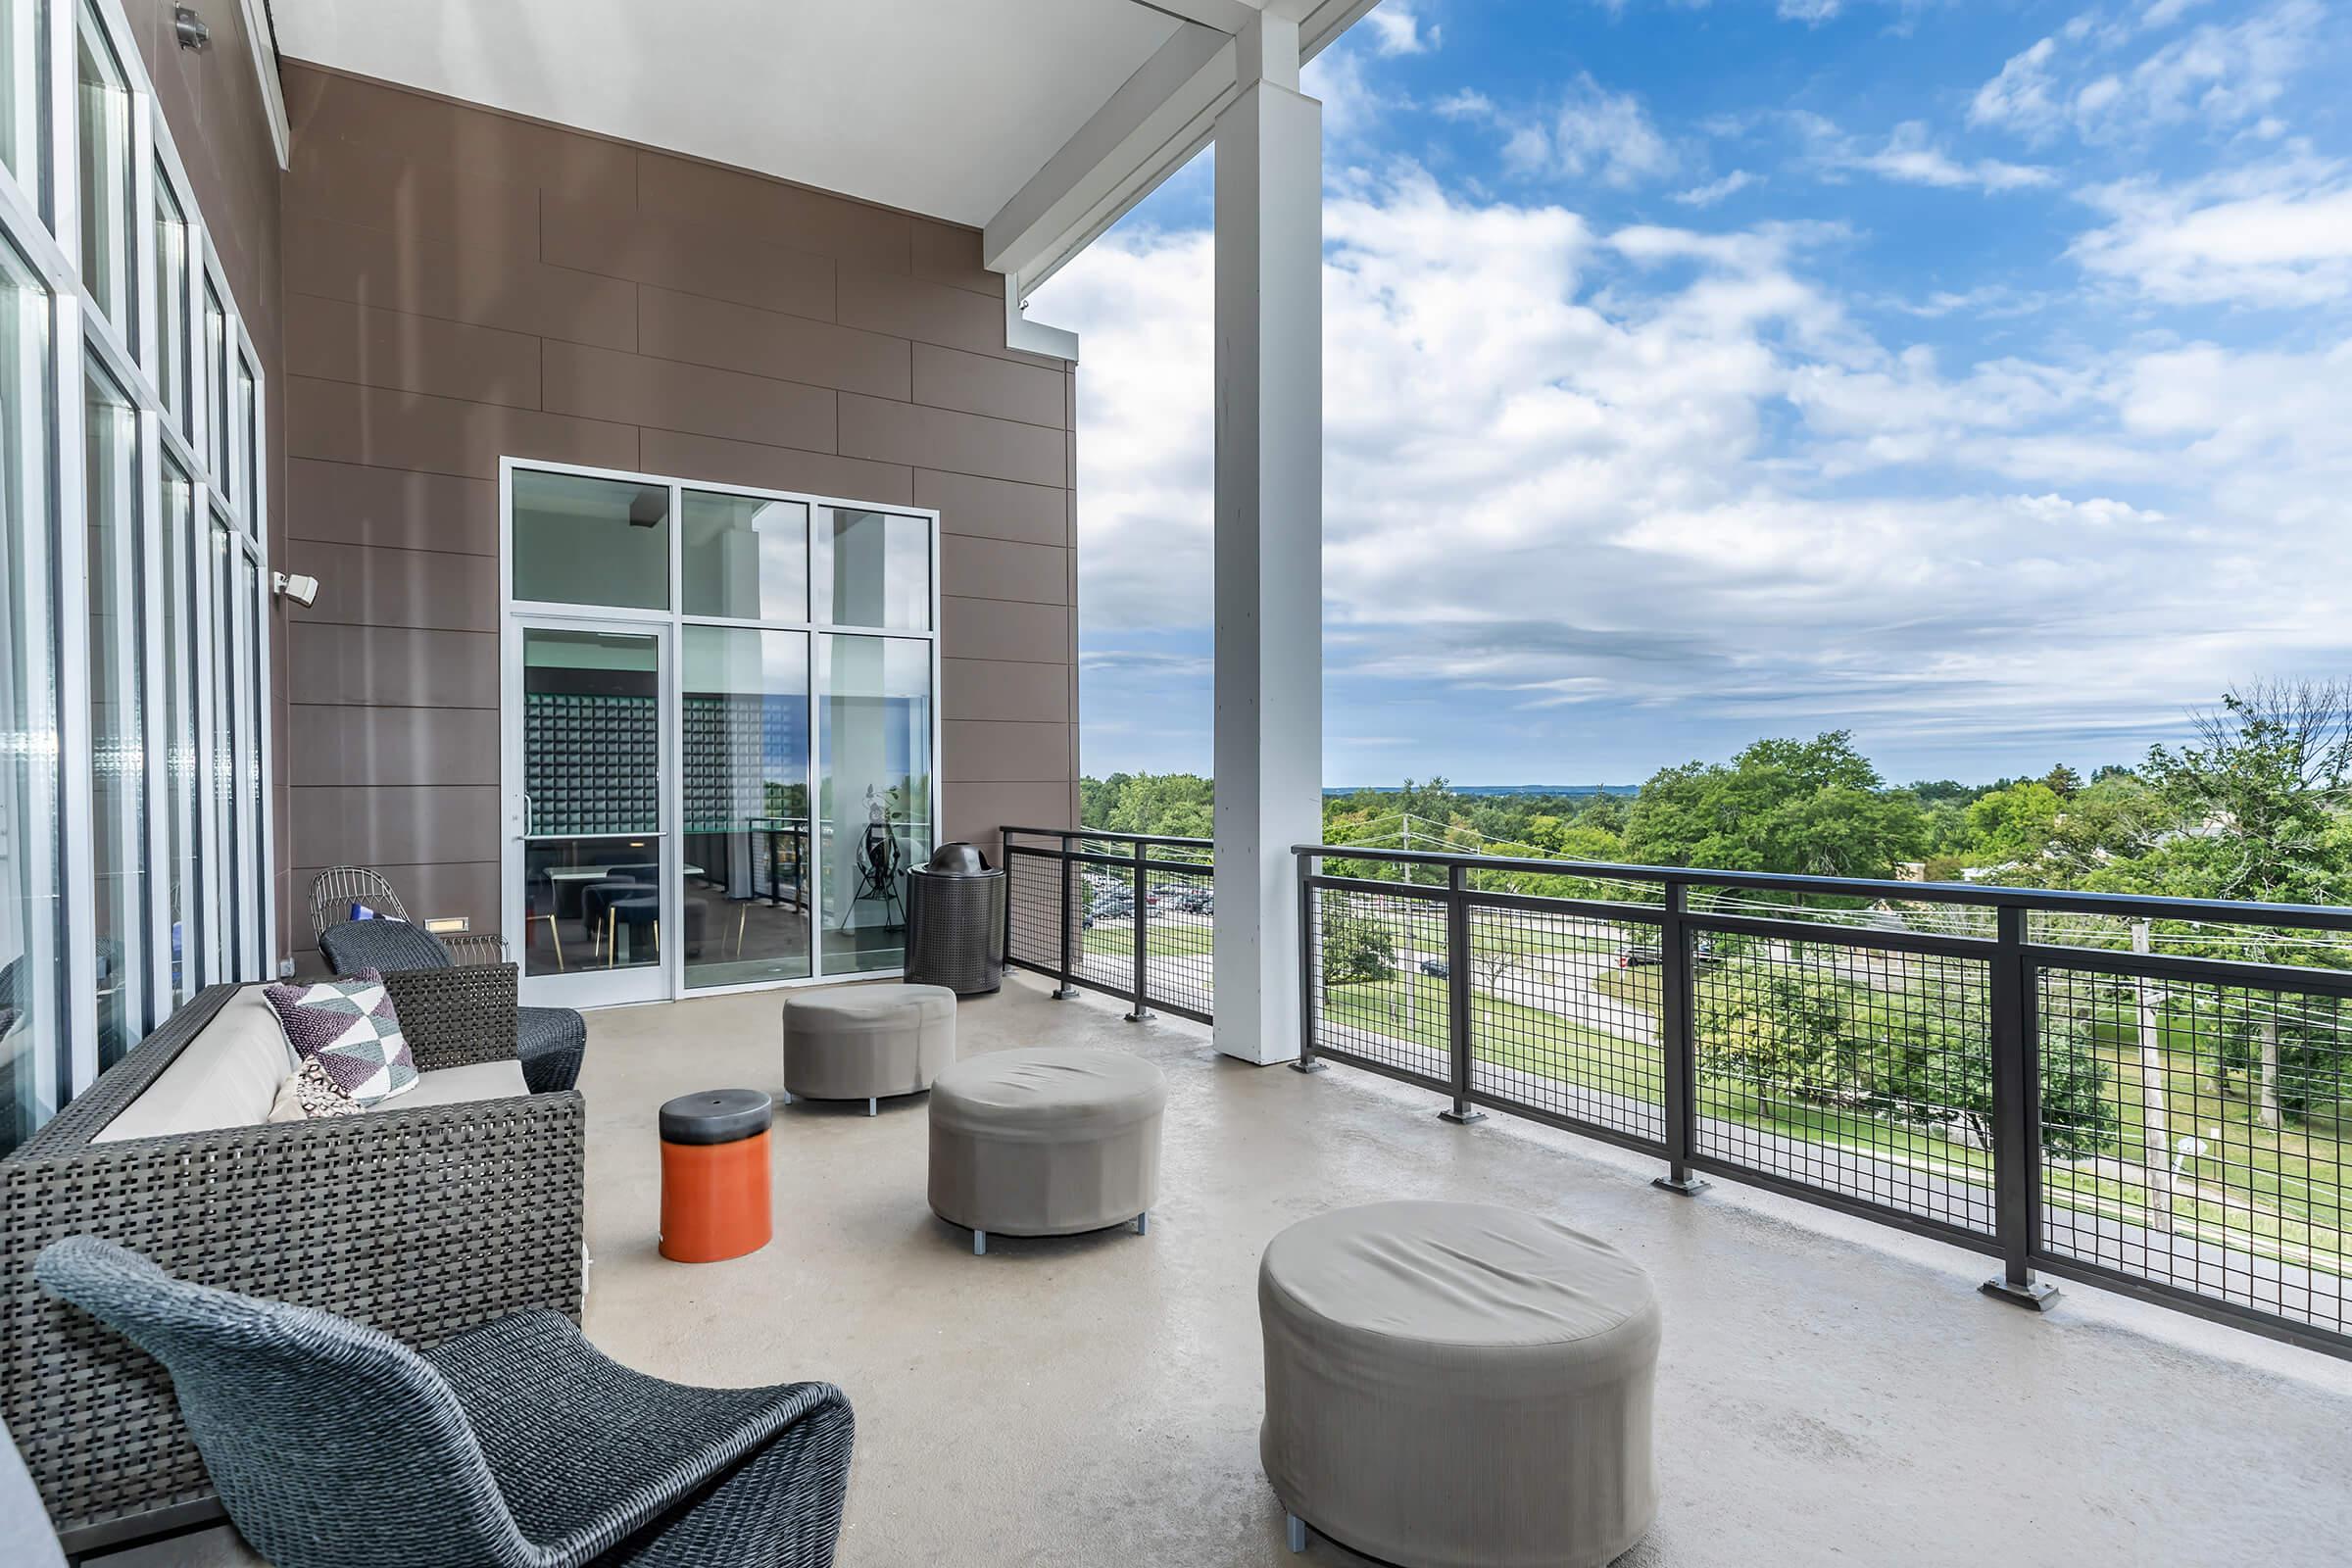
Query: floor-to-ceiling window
35	1058
133	572
773	733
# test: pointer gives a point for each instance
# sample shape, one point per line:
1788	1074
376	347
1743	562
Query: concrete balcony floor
1829	1389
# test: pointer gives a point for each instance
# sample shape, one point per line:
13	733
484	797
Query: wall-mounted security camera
304	591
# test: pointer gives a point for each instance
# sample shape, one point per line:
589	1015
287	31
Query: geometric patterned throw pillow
318	1095
349	1028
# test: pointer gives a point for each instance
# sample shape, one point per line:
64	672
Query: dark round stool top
717	1116
643	910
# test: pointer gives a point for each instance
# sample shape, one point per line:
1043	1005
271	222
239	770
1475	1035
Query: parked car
1435	968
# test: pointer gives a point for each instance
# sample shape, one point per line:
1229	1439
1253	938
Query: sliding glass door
792	784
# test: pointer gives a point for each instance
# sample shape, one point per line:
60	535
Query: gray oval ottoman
867	1041
1458	1386
1046	1141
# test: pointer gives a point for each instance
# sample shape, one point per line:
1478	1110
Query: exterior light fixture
191	29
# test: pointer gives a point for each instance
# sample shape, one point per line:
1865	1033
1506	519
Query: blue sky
1974	376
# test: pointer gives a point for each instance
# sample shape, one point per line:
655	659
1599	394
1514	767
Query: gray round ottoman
867	1041
1046	1141
1458	1386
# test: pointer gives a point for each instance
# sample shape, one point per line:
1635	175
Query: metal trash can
955	922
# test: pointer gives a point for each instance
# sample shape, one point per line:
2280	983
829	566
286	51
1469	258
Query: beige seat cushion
228	1076
457	1086
1459	1386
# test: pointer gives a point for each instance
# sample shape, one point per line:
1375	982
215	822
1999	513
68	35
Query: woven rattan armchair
548	1042
516	1445
422	1222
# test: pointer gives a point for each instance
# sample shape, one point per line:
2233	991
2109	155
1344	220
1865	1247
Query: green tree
2016	823
2063	781
1810	807
2267	778
1356	947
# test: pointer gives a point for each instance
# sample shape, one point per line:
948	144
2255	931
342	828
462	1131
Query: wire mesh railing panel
2194	1136
1033	889
1179	931
1107	914
1378	981
1865	1072
1564	1017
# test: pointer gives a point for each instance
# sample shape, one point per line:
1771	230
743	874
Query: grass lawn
1164	939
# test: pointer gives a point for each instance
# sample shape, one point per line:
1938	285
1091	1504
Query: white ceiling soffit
941	107
1144	132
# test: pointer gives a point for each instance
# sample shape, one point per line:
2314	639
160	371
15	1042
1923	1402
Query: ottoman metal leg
979	1244
873	1105
1142	1222
1297	1531
787	1097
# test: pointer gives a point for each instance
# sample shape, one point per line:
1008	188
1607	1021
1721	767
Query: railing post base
1141	1015
2035	1296
1684	1186
1065	992
1309	1064
1462	1116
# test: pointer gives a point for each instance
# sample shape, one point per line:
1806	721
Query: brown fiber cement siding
463	285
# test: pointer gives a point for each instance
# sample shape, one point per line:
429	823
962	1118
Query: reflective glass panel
745	712
743	558
874	569
874	746
118	738
583	541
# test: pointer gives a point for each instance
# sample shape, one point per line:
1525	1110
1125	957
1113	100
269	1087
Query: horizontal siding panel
998	628
1006	689
976	383
1000	751
996	568
397	667
422	588
995	509
340	341
346	423
399	746
341	503
631	389
714	461
792	348
398	824
942	438
692	257
484	279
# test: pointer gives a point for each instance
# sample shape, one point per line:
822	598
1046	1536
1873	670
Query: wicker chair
516	1445
548	1042
424	1222
337	889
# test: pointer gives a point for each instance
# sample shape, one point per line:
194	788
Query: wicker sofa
424	1217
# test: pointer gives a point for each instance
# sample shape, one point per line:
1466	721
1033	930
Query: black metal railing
1127	913
2154	1094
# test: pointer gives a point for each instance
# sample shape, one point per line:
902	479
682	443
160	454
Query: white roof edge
1146	132
261	41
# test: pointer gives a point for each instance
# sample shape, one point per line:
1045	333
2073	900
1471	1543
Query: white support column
1269	535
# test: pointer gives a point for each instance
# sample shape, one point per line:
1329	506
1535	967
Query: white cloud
1665	466
1396	30
1911	156
1589	132
2276	235
1811	12
1715	190
2221	75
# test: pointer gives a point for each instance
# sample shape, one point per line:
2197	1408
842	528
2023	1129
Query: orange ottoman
714	1175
